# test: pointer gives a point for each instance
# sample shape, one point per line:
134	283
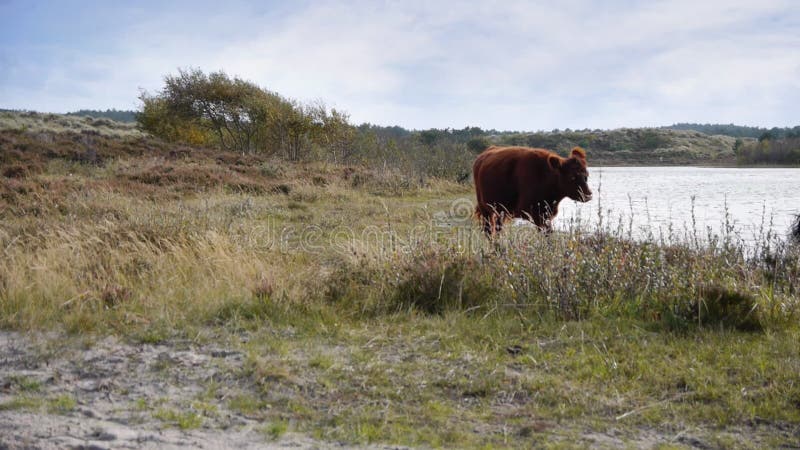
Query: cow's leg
486	217
491	220
542	222
541	214
499	218
492	224
487	222
551	209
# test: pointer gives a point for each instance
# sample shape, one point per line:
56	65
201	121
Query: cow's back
502	173
495	177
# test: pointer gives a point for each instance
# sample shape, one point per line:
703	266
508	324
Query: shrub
234	114
16	171
438	282
716	306
434	282
574	276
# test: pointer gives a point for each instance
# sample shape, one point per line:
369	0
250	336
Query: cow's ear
554	161
578	153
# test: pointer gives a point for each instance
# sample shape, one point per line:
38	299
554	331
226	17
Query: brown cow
527	183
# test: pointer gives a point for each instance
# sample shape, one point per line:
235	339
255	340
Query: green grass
21	402
24	383
185	420
247	405
430	374
275	430
61	404
141	405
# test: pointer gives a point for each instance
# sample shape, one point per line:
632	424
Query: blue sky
521	65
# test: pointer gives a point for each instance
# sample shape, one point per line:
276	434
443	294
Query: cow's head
573	175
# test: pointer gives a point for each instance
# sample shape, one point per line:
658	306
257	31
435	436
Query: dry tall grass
106	261
115	233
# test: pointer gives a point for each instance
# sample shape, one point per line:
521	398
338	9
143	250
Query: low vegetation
33	123
370	309
113	114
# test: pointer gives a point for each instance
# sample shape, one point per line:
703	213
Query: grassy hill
738	130
113	114
34	122
634	145
414	156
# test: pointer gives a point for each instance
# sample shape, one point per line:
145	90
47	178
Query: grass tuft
274	430
184	420
61	404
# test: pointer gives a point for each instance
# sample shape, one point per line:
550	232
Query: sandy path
117	388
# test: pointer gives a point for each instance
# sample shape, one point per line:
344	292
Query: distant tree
230	108
157	119
113	114
735	130
429	137
784	151
651	139
477	145
763	150
337	135
737	146
585	140
293	126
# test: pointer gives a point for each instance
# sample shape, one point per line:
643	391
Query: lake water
657	198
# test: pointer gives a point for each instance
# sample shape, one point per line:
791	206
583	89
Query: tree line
782	151
113	114
739	131
216	110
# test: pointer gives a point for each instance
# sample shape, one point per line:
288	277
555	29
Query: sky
507	65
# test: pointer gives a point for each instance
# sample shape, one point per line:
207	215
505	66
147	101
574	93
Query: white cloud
515	65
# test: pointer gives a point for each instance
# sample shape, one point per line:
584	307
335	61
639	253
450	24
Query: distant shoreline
644	147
